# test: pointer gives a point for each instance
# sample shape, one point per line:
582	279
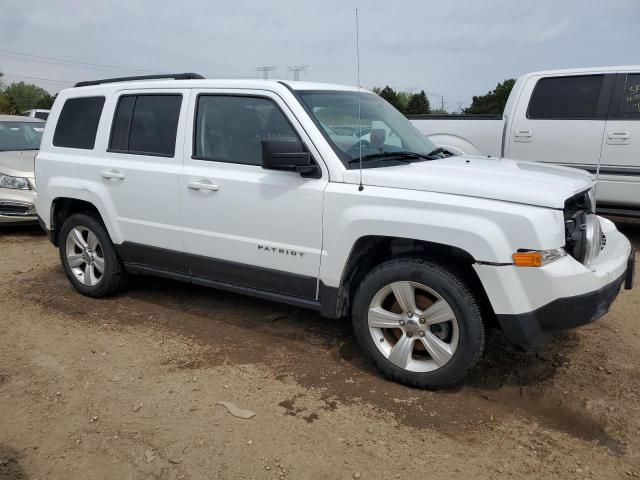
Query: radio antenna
360	187
595	186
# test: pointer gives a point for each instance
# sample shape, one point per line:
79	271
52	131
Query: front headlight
16	183
537	258
592	238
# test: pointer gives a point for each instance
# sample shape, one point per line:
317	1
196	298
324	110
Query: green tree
7	107
26	96
390	95
399	99
494	101
418	104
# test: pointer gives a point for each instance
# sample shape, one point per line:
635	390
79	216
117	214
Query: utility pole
441	99
296	69
265	71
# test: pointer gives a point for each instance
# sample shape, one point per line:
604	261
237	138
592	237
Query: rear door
139	171
563	122
620	169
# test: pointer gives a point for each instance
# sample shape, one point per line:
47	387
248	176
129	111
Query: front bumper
530	328
532	302
17	206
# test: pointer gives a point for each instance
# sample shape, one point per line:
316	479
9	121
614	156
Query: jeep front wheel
418	322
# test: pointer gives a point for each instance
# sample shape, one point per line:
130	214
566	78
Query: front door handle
112	175
202	185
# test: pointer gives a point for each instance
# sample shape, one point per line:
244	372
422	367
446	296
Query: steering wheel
355	148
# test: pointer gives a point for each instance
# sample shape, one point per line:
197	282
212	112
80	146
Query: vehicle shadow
21	229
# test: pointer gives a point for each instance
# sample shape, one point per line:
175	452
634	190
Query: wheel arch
372	250
63	207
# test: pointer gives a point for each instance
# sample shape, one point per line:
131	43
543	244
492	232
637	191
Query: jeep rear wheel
89	258
418	322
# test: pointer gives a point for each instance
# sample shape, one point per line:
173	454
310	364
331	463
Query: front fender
488	230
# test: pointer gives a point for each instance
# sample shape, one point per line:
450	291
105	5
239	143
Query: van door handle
619	135
618	138
522	135
112	175
202	185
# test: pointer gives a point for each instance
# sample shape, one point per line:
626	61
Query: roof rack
174	76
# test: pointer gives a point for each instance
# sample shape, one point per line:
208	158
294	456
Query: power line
265	70
75	62
296	69
38	78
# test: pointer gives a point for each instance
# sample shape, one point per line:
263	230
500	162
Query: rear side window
631	97
566	98
78	123
146	125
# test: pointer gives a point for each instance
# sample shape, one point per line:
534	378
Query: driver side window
231	128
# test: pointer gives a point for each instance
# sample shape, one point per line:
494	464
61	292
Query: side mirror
288	154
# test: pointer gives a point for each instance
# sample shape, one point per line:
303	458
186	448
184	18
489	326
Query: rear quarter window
77	124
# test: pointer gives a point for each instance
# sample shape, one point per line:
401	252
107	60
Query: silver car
19	143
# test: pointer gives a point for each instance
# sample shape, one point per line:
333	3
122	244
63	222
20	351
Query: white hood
483	177
18	164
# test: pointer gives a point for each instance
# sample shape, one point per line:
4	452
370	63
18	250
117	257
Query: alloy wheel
413	326
85	256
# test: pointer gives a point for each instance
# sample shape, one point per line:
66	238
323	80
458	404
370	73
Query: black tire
114	277
450	286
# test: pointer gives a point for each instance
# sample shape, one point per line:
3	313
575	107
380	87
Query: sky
451	48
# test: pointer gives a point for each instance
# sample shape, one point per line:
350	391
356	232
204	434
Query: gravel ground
128	388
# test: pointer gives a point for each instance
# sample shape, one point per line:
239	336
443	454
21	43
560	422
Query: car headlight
16	183
592	238
537	258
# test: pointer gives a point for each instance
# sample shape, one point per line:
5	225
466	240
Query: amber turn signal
527	259
537	258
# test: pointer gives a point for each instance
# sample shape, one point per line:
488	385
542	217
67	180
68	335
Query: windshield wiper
435	153
397	156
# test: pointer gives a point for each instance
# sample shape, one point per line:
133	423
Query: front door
244	225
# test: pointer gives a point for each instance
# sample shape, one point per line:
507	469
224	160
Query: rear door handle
202	185
620	135
112	175
523	135
618	138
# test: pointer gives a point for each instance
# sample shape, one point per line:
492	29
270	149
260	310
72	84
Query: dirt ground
127	388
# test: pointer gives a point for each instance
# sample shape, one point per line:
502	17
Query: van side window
631	97
146	125
566	98
231	128
78	123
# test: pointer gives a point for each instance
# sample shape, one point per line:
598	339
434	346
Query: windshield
16	135
380	131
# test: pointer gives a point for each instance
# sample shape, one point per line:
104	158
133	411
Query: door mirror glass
288	154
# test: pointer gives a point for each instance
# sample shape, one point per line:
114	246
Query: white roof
572	71
270	85
19	118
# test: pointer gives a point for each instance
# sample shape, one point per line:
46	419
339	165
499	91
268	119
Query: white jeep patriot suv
327	198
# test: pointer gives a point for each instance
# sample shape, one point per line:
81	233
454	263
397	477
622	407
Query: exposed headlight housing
592	238
537	258
16	183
